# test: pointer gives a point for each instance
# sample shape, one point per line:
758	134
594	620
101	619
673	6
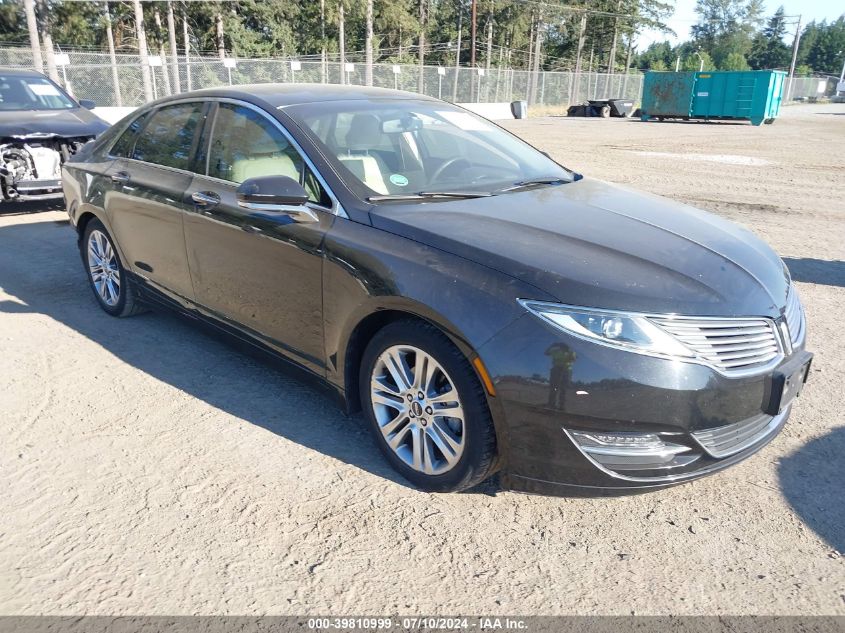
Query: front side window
395	147
245	144
168	137
32	93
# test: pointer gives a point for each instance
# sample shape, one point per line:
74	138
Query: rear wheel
426	408
106	275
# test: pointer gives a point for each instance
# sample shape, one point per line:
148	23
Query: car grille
794	315
723	441
733	346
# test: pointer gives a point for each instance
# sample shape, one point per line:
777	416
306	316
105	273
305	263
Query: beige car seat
370	169
267	156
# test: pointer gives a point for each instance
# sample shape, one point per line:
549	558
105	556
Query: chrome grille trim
794	315
723	441
733	346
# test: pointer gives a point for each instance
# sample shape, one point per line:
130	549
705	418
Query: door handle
205	198
249	228
120	178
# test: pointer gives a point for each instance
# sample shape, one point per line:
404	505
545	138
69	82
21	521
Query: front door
259	271
146	204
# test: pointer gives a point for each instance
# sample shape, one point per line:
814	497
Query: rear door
146	206
259	271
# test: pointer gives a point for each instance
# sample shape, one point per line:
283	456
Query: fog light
630	451
618	440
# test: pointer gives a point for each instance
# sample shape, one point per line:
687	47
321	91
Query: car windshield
393	149
32	93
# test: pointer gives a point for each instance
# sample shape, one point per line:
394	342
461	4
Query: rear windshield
32	93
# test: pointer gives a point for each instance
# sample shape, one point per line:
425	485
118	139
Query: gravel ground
147	468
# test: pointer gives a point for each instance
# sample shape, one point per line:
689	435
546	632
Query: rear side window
168	137
126	142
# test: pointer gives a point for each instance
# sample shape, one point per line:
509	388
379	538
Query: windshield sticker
464	120
44	90
399	180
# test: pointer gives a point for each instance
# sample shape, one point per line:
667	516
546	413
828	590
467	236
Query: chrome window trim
742	373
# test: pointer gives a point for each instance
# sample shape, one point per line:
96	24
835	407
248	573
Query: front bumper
553	389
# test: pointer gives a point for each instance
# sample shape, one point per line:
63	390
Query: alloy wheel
418	409
103	268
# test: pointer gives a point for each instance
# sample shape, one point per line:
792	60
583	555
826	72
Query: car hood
64	123
590	243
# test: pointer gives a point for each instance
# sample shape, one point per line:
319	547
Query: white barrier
492	111
112	115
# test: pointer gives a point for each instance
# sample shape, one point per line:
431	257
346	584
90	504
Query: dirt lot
147	468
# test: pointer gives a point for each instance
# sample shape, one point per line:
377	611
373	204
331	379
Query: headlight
631	332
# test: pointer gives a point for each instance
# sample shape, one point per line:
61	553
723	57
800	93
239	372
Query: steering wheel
450	162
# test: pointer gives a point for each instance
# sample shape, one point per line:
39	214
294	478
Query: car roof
279	95
19	72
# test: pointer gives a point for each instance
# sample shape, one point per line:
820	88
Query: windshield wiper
533	182
427	195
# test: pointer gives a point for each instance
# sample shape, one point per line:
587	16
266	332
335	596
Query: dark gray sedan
487	308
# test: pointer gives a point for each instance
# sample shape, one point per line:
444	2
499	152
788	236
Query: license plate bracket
787	385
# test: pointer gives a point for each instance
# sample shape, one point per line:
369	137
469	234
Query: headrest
363	132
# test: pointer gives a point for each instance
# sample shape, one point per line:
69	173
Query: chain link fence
89	76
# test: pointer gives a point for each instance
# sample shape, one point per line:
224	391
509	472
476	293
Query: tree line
596	35
735	35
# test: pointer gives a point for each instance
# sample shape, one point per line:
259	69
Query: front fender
368	271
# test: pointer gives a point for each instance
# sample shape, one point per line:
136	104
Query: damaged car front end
41	126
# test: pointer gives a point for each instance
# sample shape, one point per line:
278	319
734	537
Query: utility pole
342	42
489	36
530	63
162	55
47	40
32	27
115	77
187	44
611	64
628	65
221	40
472	76
795	43
368	44
582	31
142	50
421	52
458	51
174	56
538	48
323	60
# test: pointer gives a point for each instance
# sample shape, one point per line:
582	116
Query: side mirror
271	190
275	194
88	104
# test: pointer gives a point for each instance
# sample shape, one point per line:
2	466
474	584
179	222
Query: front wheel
426	408
106	274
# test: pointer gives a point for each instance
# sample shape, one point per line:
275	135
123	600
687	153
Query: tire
605	112
116	295
456	452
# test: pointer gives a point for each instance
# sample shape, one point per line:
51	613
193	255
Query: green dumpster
752	95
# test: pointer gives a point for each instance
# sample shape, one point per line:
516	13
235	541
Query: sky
685	17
